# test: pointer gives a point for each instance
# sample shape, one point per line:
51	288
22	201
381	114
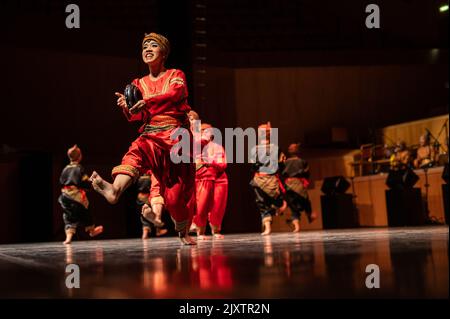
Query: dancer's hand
121	102
137	107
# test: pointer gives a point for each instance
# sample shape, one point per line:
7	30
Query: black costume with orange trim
266	183
73	199
295	172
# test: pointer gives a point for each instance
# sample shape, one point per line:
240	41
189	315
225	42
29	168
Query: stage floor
413	263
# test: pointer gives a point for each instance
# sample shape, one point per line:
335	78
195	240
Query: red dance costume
211	187
165	112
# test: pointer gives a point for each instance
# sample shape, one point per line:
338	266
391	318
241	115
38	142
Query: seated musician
402	157
425	153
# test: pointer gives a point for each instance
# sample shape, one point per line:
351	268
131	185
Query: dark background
58	86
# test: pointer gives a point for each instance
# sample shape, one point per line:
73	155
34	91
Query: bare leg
296	224
110	191
281	209
267	228
69	234
157	209
185	238
145	231
201	233
149	215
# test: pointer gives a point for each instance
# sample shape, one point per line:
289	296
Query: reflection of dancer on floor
211	186
163	110
150	205
266	183
73	197
295	172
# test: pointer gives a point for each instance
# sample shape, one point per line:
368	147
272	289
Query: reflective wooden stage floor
413	263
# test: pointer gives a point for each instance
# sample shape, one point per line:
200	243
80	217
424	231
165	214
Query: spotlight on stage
404	202
338	210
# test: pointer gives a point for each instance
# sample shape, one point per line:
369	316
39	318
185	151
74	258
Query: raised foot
103	188
149	215
161	232
312	217
96	231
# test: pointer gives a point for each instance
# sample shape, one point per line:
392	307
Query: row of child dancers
192	192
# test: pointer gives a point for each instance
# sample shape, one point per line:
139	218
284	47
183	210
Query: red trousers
220	202
211	202
205	198
152	152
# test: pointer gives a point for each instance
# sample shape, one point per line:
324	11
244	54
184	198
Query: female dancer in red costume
163	110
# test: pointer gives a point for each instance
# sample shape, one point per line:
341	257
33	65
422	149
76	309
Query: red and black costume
295	172
266	183
73	199
164	113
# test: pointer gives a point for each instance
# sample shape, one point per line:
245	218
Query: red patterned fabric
165	112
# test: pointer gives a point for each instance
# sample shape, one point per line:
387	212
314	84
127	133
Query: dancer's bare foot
267	228
280	211
161	231
149	215
186	239
201	237
296	224
104	188
218	236
312	217
69	234
145	231
96	231
193	229
157	209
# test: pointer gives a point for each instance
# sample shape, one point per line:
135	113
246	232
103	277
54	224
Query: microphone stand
436	140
